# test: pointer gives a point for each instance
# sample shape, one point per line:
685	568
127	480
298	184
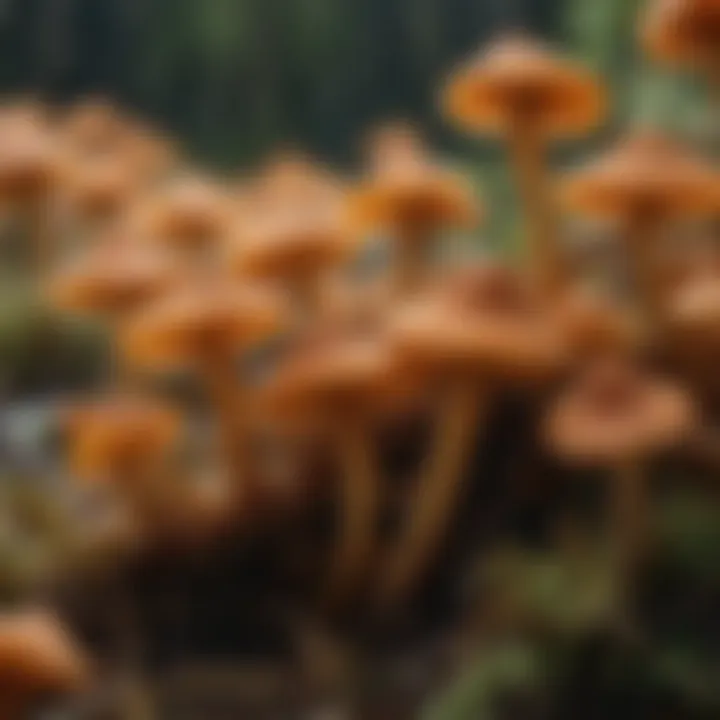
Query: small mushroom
205	325
596	326
115	439
412	198
334	379
93	126
30	168
97	190
292	230
685	32
190	213
519	89
39	660
646	181
616	416
112	280
483	329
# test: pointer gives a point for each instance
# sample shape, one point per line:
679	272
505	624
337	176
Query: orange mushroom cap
616	413
29	160
38	656
208	317
112	434
188	212
291	223
406	189
100	186
645	173
517	78
683	31
485	321
93	125
113	278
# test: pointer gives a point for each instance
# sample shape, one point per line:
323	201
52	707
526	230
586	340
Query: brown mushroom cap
518	78
595	325
332	370
291	223
646	173
615	413
115	433
113	278
188	212
683	31
407	190
38	656
485	322
207	317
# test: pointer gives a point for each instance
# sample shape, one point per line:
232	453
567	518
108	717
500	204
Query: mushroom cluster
246	287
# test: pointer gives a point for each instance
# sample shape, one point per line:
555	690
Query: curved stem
358	509
438	492
543	251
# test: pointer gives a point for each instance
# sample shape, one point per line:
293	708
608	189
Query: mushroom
112	280
98	189
646	181
190	213
595	326
205	325
292	230
617	416
519	89
115	439
333	380
685	32
29	171
93	126
38	660
482	329
412	198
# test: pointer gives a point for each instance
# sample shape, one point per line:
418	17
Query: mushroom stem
437	495
630	517
641	235
528	158
411	259
358	506
224	392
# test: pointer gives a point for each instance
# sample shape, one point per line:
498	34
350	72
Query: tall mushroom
413	199
38	660
485	329
645	182
206	325
615	416
334	378
519	89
